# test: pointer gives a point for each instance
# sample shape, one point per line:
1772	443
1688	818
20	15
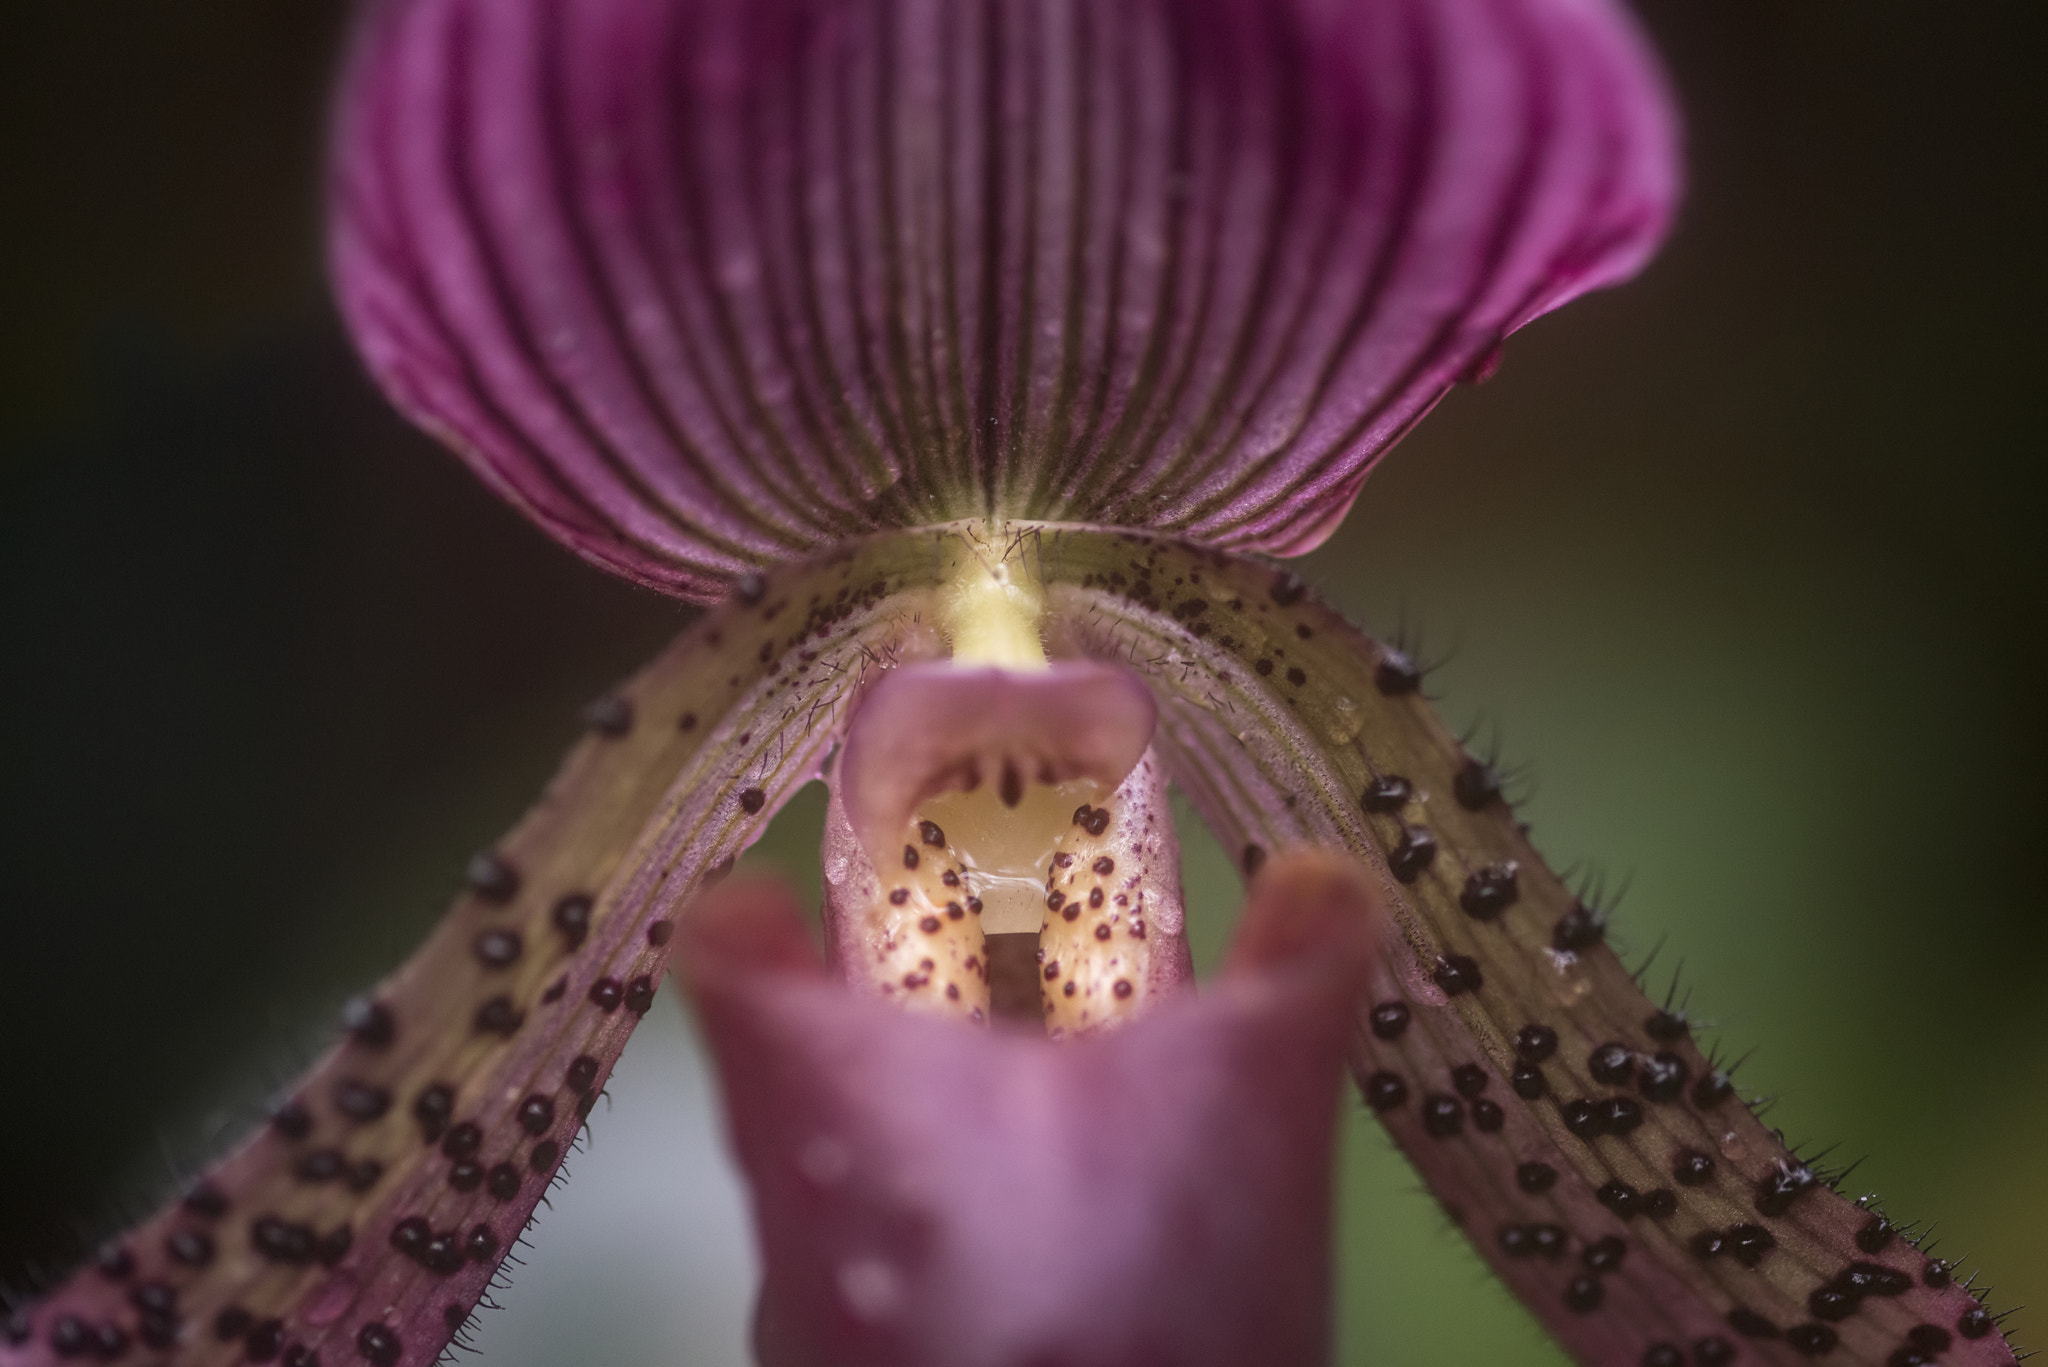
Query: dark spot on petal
1122	989
1663	1077
1583	1294
1475	785
543	1157
1295	676
1937	1273
292	1120
1785	1184
1288	589
231	1323
361	1102
536	1114
1611	1064
660	932
1929	1338
1713	1351
491	876
503	1181
498	1016
1395	674
1812	1339
466	1176
1442	1115
1666	1026
369	1023
1619	1197
753	800
1384	1091
463	1141
190	1247
1468	1080
640	995
582	1074
1620	1114
1253	860
1693	1168
1457	974
1390	1020
497	948
1535	1043
1975	1323
69	1337
1831	1303
606	994
572	918
1389	793
1487	1116
930	833
378	1345
1104	866
1578	930
1748	1243
1660	1204
611	715
334	1245
1663	1355
1750	1324
321	1165
1415	852
482	1244
1712	1089
1550	1241
1527	1081
1489	891
1010	786
1535	1178
1604	1255
899	897
1582	1118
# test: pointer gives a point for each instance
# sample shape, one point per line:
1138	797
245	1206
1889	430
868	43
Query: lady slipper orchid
968	358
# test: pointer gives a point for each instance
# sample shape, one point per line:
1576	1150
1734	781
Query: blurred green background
1745	562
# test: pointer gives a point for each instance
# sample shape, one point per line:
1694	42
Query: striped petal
700	284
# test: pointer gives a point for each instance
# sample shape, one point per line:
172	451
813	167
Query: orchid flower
971	361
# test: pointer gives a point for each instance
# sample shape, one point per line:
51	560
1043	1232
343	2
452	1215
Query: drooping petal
365	1221
932	1195
1594	1153
701	283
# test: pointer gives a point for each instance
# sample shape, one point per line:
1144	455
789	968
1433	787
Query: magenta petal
701	283
931	1194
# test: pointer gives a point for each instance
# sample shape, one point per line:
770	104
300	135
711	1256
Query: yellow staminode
993	611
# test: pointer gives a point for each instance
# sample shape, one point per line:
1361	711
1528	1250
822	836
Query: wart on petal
932	1195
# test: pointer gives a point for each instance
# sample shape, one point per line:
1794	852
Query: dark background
1744	559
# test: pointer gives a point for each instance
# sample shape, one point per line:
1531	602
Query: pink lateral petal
701	284
927	1193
